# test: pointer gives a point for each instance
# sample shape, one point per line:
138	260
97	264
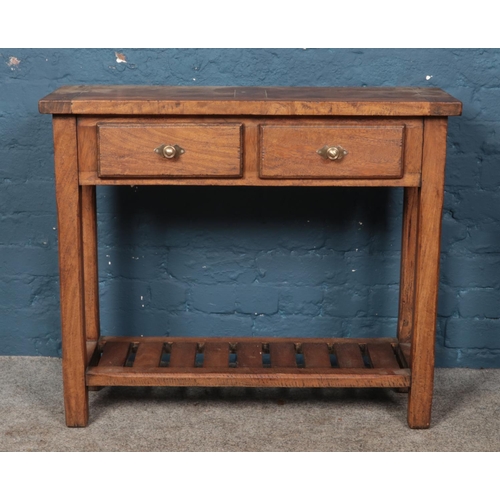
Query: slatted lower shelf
247	362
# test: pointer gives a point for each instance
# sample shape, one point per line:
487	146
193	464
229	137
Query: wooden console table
237	136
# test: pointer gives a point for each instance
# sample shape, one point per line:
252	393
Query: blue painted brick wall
191	261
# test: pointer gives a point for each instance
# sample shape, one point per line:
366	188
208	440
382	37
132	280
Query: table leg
408	259
90	274
430	201
90	271
69	217
407	275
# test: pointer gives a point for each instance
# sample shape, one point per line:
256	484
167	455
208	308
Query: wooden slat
114	354
216	355
250	377
258	340
349	355
382	356
183	354
316	355
193	370
148	355
249	354
283	355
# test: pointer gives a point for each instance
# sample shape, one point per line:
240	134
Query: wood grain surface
408	264
283	355
216	355
316	355
71	276
427	273
249	136
250	370
349	355
114	354
250	152
298	377
291	152
382	356
148	354
330	101
128	150
90	269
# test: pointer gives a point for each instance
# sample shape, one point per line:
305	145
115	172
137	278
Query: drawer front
177	150
354	152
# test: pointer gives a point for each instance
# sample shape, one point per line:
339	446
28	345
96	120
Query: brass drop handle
168	151
332	152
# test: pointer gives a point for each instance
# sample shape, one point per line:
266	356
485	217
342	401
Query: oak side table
249	136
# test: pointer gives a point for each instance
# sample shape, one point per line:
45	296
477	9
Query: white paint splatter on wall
120	58
13	62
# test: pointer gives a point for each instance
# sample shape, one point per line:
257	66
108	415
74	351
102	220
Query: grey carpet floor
466	416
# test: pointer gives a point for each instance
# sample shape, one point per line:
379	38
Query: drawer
176	150
331	152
